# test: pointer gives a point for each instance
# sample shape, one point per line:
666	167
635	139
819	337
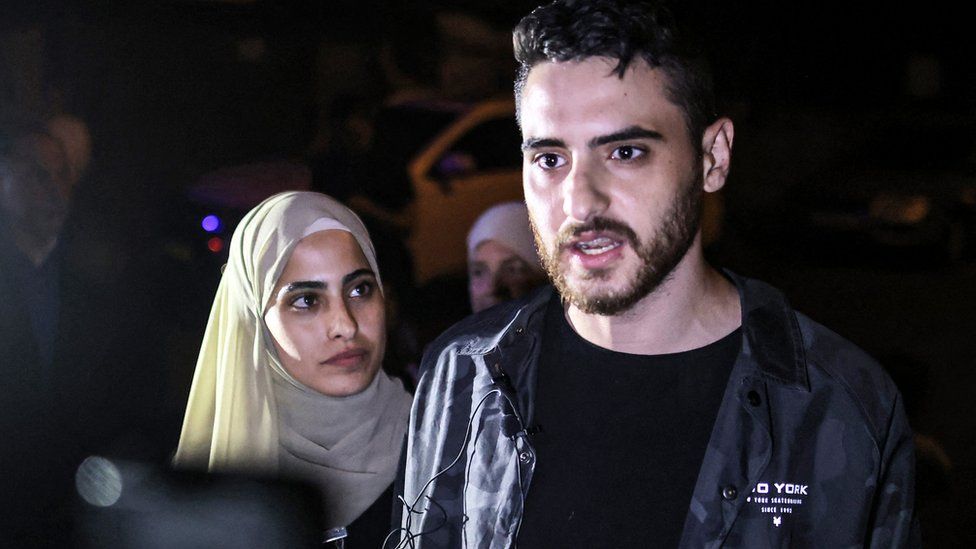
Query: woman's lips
352	357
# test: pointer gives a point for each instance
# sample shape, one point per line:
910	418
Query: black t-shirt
622	439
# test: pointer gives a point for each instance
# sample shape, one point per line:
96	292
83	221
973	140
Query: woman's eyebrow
356	274
513	261
303	285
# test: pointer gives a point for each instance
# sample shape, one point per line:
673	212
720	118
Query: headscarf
246	413
508	223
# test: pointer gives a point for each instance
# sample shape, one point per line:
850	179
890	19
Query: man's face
612	180
35	190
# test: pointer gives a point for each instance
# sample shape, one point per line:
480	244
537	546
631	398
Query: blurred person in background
289	380
34	194
74	367
502	261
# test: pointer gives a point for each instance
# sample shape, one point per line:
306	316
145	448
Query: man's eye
363	289
305	301
626	152
549	161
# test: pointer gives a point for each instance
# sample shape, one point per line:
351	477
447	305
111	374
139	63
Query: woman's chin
347	384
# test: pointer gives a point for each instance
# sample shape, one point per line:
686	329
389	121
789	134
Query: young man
649	400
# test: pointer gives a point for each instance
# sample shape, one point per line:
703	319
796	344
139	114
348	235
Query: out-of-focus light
215	244
99	481
211	223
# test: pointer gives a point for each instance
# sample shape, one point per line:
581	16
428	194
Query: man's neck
693	307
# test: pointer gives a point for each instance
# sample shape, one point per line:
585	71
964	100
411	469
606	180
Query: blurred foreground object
127	505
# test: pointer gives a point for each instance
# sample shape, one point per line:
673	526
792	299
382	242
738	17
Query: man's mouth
597	246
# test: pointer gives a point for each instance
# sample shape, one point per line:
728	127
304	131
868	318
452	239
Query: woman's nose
342	325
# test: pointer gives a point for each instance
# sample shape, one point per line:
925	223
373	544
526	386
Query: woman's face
496	273
327	317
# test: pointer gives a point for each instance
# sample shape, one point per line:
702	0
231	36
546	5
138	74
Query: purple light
210	223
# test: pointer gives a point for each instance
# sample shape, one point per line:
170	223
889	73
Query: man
35	189
78	370
650	400
502	261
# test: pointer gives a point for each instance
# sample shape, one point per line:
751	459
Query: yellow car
471	165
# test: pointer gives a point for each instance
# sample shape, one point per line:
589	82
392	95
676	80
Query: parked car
472	164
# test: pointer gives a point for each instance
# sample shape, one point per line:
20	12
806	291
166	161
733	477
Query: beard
657	258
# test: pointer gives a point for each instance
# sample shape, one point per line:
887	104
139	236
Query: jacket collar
771	333
769	328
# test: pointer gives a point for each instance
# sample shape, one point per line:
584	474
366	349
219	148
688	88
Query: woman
289	379
502	262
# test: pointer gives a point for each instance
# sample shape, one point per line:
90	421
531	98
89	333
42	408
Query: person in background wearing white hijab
502	261
289	379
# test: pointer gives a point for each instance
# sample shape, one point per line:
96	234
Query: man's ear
717	153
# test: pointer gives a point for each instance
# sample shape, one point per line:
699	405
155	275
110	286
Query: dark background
173	90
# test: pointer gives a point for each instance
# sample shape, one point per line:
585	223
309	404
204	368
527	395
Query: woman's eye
626	152
515	268
549	161
362	289
305	301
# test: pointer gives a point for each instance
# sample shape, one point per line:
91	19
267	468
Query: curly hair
573	30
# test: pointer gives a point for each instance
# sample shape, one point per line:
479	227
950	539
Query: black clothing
81	376
810	448
370	529
647	416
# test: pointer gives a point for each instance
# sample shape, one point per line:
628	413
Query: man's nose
582	196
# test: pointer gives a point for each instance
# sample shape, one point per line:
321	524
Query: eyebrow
514	259
356	274
318	285
540	142
302	285
626	134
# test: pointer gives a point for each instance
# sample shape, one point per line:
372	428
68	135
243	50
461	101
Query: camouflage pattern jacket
811	447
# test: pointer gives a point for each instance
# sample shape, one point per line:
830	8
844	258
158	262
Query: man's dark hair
573	30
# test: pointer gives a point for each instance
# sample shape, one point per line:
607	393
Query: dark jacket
96	395
811	446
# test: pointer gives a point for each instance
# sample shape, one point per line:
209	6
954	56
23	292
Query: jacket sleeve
893	520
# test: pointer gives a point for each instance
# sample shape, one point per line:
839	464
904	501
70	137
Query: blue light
211	223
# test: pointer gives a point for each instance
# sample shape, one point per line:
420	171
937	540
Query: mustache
597	224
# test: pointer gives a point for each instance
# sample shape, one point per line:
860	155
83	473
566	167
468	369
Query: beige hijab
246	413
